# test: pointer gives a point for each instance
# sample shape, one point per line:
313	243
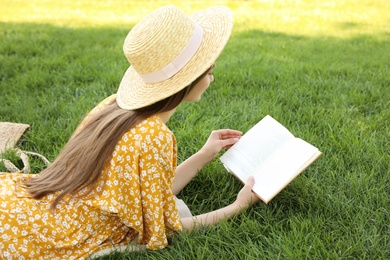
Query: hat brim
217	23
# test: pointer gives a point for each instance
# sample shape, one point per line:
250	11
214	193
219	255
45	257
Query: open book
272	154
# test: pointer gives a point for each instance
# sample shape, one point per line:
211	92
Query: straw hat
168	50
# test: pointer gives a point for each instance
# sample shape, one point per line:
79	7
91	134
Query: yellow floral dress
133	197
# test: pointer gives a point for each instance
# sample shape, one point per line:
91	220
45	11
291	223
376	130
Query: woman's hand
219	140
246	197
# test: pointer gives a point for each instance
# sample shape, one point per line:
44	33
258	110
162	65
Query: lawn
321	68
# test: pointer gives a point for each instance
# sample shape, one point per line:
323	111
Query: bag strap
10	134
24	157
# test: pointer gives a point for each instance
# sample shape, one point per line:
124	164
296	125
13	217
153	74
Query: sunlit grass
314	18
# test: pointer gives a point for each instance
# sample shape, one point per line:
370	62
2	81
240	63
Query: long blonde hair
81	161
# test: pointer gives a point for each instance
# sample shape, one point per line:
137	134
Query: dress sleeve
148	171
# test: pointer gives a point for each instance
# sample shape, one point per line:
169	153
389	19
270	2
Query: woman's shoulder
152	125
151	132
107	101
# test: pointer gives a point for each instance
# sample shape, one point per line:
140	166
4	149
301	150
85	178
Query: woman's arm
244	199
187	170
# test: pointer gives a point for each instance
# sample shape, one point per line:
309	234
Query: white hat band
179	62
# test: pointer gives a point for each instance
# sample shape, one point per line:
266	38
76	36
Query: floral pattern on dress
133	197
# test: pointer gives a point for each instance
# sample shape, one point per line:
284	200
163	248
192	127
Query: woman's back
112	214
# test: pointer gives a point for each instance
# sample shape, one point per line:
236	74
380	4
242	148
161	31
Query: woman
115	181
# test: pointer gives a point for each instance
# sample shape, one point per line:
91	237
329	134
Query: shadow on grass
332	92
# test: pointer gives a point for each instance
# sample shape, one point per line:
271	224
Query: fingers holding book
246	197
220	140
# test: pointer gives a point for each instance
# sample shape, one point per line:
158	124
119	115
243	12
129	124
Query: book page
283	167
255	147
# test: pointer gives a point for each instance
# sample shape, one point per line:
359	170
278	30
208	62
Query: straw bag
10	134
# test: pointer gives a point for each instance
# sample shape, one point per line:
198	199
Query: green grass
322	68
